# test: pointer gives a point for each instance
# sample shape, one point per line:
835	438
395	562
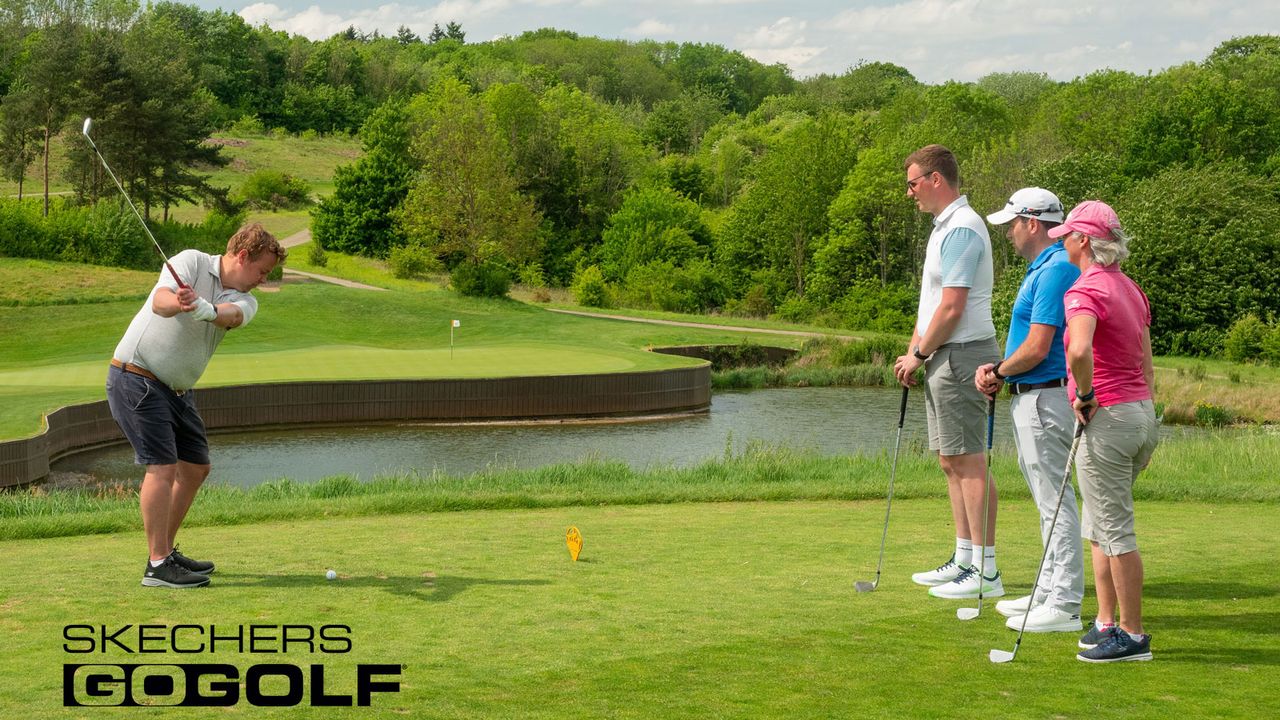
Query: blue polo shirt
1040	301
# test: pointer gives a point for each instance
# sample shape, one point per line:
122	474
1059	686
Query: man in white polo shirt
954	335
161	356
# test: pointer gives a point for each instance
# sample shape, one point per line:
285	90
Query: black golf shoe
1090	639
1118	647
199	567
172	575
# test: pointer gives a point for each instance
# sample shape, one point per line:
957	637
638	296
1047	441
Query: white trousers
1043	424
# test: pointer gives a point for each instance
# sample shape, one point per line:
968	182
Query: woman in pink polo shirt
1108	344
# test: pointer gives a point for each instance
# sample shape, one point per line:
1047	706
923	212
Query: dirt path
304	236
707	326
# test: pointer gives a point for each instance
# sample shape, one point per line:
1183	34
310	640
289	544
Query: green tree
654	223
1206	250
465	202
777	221
358	216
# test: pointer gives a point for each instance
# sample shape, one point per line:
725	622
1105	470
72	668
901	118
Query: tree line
677	176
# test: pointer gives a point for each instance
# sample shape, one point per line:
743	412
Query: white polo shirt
958	255
177	349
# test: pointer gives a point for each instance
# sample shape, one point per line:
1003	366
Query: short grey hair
1111	250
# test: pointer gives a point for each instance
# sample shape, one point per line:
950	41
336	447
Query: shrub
22	231
1243	341
411	261
883	308
317	256
1210	415
247	126
531	275
272	189
665	286
486	279
1271	345
589	287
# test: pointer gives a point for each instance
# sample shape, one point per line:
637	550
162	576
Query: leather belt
1018	388
131	368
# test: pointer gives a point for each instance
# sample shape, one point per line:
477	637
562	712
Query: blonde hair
255	238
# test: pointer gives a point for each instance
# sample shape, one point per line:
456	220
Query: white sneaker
944	573
1044	618
1011	608
966	586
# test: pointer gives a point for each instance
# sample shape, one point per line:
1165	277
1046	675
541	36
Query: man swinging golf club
158	361
953	336
1034	369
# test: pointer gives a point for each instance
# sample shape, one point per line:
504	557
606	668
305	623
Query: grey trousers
1043	424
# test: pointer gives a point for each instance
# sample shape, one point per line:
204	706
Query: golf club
1001	656
863	585
88	125
965	613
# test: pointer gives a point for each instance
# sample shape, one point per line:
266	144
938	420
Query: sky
937	40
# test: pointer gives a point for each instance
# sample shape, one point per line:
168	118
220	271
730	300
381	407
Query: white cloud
650	29
786	31
796	57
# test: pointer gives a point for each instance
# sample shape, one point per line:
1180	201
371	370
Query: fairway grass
674	611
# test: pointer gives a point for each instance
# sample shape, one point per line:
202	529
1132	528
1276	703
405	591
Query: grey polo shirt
177	349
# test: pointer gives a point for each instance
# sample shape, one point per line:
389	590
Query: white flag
457	323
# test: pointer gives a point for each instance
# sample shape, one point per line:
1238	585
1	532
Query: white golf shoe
1044	618
966	586
944	573
1017	606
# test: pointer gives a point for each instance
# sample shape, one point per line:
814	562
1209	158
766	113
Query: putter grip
175	275
902	411
991	421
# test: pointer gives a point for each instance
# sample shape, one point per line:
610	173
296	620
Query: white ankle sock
984	557
1101	625
157	563
964	552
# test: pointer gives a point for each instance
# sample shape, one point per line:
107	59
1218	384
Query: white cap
1032	202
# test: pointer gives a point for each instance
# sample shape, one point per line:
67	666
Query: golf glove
204	311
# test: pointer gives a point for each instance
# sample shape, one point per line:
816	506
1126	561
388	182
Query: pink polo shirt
1122	311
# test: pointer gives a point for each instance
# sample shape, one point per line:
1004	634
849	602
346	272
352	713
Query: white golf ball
331	575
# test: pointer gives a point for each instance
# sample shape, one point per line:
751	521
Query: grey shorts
162	426
1116	445
955	411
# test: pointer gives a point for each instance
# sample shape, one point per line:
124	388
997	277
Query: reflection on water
829	421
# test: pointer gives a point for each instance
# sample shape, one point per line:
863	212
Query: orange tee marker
573	539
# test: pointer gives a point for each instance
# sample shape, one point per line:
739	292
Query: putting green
348	362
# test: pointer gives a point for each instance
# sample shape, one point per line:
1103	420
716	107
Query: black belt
1019	388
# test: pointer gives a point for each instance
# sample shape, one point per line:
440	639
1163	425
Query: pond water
828	421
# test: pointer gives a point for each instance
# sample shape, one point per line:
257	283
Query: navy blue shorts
162	426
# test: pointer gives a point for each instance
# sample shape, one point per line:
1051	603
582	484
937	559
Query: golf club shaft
1053	525
893	472
146	229
986	500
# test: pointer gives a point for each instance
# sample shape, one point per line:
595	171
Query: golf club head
864	586
1001	656
967	613
88	125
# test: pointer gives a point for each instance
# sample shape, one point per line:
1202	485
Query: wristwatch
996	371
919	355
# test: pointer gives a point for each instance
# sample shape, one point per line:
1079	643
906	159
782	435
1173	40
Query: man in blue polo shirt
1035	369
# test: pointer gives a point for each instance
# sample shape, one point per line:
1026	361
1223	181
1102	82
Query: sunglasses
1035	212
911	184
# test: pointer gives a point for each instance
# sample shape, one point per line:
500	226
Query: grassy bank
1230	467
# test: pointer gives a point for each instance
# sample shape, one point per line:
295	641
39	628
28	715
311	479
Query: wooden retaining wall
82	427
